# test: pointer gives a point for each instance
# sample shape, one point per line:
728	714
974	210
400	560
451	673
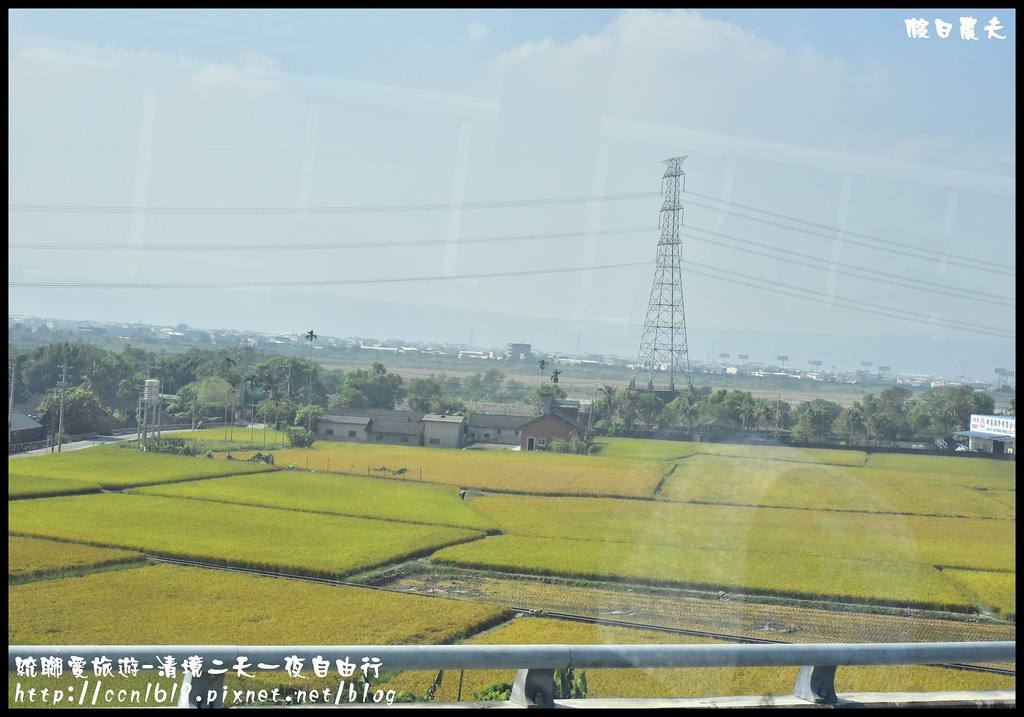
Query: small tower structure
150	414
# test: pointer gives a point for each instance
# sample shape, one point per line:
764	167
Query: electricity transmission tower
663	345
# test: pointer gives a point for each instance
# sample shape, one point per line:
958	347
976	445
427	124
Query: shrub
173	446
576	445
300	437
498	692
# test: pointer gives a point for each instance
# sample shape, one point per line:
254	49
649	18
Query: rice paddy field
501	471
436	546
111	468
688	682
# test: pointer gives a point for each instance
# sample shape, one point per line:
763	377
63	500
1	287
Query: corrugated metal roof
983	434
498	421
355	420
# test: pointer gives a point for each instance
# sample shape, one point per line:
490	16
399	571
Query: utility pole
265	420
777	399
593	404
60	422
10	407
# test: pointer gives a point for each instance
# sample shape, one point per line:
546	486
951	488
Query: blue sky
489	176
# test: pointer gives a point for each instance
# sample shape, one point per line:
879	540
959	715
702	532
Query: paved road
95	441
75	445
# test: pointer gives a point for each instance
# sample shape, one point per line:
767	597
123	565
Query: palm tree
229	363
609	391
253	382
554	375
310	337
543	365
629	409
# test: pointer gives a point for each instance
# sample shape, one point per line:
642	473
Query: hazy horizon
486	176
841	353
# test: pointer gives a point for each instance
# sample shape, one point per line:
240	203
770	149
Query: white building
991	434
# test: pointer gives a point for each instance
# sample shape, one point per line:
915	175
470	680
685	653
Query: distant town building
518	352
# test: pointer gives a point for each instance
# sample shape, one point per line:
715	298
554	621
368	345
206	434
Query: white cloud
255	59
251	78
478	31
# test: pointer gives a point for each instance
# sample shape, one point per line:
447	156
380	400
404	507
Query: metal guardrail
203	684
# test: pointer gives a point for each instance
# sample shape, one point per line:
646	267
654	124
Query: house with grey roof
373	426
495	428
23	429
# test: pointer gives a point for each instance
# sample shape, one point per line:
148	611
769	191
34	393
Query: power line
370	244
847	303
353	209
912	251
834	233
873	275
323	282
744	280
774	253
932	287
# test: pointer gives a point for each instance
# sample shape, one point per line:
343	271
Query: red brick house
538	434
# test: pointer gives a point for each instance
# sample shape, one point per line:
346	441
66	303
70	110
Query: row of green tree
894	414
229	384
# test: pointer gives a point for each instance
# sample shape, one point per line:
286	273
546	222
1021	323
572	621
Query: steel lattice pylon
663	345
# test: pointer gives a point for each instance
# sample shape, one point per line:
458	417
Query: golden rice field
844	580
877	558
681	682
168	604
378	498
999	589
722	614
256	537
163	605
30	557
505	471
